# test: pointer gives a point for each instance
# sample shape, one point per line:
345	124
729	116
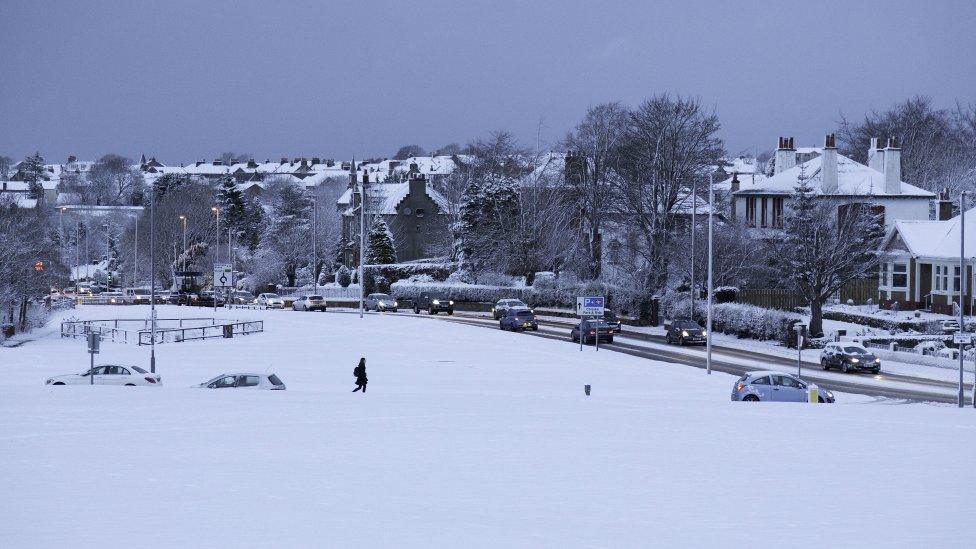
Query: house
416	214
760	201
921	270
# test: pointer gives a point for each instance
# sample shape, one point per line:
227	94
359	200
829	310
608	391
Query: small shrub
343	277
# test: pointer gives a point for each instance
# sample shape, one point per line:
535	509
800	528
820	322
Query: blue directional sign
590	306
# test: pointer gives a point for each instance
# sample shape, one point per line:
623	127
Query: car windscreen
271	296
275	380
315	297
138	369
141	292
526	314
687	325
855	350
382	297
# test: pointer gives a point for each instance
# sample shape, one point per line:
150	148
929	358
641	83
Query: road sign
94	342
223	276
590	306
962	339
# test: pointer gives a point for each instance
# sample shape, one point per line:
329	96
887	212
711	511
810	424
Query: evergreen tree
483	235
32	169
381	250
285	244
343	277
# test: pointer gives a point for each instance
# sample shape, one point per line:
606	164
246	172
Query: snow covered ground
467	436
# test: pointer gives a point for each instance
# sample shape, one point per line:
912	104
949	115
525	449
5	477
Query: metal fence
177	335
139	330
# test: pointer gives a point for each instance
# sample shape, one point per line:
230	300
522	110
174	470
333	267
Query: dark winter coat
360	373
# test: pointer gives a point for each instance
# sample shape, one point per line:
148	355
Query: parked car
271	301
503	305
270	382
206	299
381	302
592	329
612	319
241	297
433	303
136	296
775	387
685	332
518	319
309	303
848	357
108	375
949	326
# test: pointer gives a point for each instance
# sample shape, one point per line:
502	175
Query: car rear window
140	370
270	296
524	313
275	380
854	349
316	297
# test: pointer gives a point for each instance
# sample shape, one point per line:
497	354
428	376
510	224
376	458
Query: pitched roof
853	179
385	197
937	239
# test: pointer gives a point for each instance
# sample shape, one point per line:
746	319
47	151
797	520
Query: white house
760	201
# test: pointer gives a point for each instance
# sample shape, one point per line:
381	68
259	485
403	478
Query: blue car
518	320
774	387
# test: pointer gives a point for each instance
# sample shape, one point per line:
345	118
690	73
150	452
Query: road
739	361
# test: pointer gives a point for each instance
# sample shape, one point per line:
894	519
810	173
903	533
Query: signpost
94	342
590	306
801	332
223	277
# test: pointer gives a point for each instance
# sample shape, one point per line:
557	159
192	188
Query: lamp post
152	281
183	219
362	239
216	212
315	236
708	322
694	225
213	286
962	285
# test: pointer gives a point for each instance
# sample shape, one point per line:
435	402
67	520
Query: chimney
72	158
785	155
892	167
417	183
876	154
828	166
316	160
217	162
284	160
735	182
944	207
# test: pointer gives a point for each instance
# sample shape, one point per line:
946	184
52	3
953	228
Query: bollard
586	389
812	393
228	330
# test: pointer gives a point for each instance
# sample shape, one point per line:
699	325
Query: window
122	371
420	212
784	381
750	211
955	279
883	275
778	212
762	211
248	381
275	380
941	278
899	275
407	211
227	381
761	381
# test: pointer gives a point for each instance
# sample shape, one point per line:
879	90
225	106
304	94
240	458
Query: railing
201	332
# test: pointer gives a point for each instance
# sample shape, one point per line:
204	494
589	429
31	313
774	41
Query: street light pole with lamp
213	286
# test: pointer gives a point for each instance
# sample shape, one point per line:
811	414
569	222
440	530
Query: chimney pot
892	167
785	155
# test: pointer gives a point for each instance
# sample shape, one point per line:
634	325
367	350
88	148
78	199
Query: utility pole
213	285
962	285
362	239
152	281
77	253
708	322
135	262
315	236
694	225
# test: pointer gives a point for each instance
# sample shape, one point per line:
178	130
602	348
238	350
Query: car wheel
572	337
845	368
667	338
450	313
416	310
610	340
535	328
824	364
876	371
431	311
751	398
821	400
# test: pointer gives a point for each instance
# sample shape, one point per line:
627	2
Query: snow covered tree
285	245
343	277
116	180
380	249
407	151
244	217
32	169
487	214
826	246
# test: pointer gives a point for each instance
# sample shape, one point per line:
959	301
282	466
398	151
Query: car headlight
450	303
684	333
704	333
830	395
854	361
396	303
877	361
436	302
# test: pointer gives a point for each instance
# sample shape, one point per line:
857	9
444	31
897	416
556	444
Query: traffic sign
590	306
223	276
94	342
962	339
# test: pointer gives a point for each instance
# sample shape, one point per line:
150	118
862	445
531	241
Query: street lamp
708	321
213	286
216	212
183	219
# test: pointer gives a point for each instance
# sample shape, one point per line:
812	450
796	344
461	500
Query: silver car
309	303
270	382
271	301
381	302
775	387
503	305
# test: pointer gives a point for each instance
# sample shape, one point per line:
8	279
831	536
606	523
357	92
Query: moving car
775	387
612	319
503	305
136	296
206	299
685	332
592	329
241	297
380	302
518	320
109	375
309	303
270	382
434	303
271	301
113	298
848	357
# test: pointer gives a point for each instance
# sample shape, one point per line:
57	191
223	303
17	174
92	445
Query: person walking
360	373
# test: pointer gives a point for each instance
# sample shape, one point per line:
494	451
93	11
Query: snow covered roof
385	197
23	186
936	239
853	179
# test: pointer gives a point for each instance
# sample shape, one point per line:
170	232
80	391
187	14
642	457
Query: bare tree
228	158
669	143
407	151
115	180
593	149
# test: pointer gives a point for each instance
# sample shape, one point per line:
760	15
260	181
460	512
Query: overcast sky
185	80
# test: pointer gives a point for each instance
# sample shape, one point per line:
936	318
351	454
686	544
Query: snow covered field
467	436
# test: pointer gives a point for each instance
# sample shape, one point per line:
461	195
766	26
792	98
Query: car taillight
740	386
611	332
150	379
592	332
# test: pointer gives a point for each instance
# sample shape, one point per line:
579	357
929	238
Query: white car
270	382
109	375
271	301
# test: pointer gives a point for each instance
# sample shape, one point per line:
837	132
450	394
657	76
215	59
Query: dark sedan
518	320
849	357
593	329
686	332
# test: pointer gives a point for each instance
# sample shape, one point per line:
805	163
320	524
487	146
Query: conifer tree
381	250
